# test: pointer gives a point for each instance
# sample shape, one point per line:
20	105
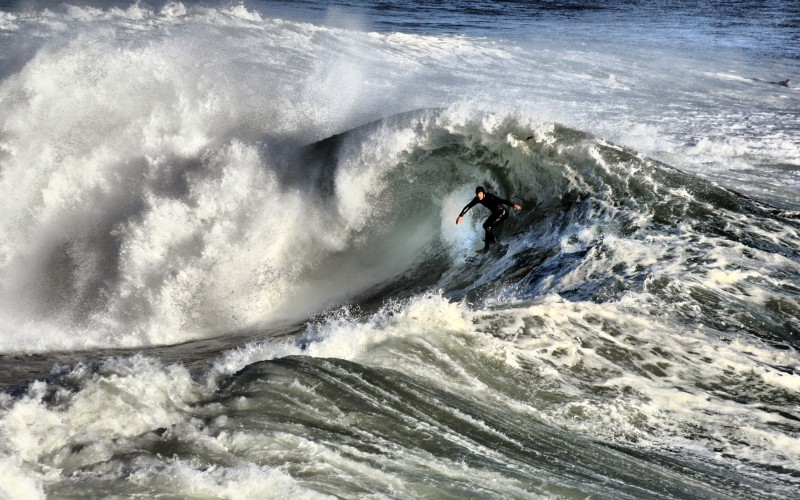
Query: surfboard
473	256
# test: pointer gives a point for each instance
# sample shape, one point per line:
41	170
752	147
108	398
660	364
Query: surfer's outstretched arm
515	206
466	209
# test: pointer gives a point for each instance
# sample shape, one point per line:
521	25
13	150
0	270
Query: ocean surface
229	263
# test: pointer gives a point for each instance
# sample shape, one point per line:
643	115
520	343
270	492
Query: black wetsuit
498	215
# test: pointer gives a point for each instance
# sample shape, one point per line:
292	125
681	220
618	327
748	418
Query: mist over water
262	198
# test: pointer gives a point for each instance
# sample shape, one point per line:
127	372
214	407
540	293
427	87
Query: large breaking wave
157	191
131	250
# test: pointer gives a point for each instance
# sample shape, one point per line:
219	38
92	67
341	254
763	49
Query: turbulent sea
229	263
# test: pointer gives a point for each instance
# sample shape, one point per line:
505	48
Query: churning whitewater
229	263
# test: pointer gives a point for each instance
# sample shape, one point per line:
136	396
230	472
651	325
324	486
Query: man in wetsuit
498	215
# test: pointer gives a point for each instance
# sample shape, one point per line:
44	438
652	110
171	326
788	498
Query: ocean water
229	263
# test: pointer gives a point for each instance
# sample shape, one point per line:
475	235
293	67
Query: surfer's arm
466	209
513	205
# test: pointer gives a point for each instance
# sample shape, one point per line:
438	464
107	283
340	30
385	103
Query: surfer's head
480	192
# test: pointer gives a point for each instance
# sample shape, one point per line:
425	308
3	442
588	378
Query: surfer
498	215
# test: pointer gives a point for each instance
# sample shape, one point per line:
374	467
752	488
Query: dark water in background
768	27
229	287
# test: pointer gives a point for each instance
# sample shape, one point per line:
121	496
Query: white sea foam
46	440
16	482
247	480
137	159
569	349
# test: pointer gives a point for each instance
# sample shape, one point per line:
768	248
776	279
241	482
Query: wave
140	251
126	250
